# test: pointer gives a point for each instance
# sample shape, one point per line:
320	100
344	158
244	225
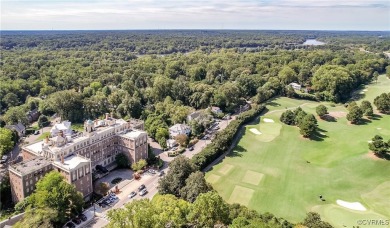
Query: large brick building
76	154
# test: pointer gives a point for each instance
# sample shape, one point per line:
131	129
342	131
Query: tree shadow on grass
375	117
319	135
329	118
237	151
364	122
383	156
273	104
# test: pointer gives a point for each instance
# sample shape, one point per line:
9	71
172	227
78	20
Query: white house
179	129
296	86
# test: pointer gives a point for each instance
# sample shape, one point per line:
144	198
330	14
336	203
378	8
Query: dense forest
84	74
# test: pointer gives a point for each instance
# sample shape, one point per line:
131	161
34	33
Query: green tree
208	210
179	170
366	108
382	103
288	117
68	104
38	217
314	220
103	188
162	135
122	160
139	165
16	115
43	121
53	192
182	140
6	141
138	213
11	100
307	126
195	185
170	211
375	76
378	146
321	111
355	114
196	128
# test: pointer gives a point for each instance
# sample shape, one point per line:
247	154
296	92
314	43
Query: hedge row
306	96
224	138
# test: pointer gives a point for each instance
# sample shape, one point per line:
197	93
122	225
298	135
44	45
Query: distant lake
313	42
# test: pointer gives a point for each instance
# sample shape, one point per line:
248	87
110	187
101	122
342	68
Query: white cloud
211	14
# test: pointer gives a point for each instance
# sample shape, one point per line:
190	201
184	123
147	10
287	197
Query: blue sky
200	14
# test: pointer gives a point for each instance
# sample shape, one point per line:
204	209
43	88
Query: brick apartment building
76	154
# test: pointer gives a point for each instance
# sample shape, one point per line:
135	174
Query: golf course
274	169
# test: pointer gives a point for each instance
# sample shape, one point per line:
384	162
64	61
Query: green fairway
280	172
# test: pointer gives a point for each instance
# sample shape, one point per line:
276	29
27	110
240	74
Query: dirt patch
338	114
372	156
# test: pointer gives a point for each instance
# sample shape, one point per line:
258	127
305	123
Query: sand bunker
365	90
338	114
361	92
255	131
379	128
268	120
353	206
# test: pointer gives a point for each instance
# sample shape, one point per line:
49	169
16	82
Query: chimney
107	116
61	133
47	139
62	159
112	115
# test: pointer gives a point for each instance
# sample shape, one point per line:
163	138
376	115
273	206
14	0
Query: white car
143	192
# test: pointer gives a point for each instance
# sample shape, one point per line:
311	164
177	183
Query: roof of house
19	127
214	108
179	127
133	134
195	114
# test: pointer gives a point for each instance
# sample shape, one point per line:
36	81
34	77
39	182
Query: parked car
70	225
36	132
76	221
143	192
152	171
102	168
113	197
4	159
132	195
161	173
191	148
142	187
83	217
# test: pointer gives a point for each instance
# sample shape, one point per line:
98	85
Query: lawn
283	173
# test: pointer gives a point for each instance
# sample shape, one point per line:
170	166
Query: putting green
342	217
334	163
226	168
269	131
213	178
252	177
241	195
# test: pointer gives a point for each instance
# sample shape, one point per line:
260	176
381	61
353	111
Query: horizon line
196	29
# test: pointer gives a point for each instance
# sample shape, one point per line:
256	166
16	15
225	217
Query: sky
198	14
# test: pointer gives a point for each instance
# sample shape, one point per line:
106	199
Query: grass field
283	173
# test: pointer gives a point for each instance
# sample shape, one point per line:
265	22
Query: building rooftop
71	162
30	166
133	134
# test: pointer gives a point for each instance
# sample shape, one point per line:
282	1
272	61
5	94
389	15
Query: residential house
295	86
33	115
179	129
19	128
216	110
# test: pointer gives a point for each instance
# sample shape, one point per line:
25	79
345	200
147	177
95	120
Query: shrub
224	138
